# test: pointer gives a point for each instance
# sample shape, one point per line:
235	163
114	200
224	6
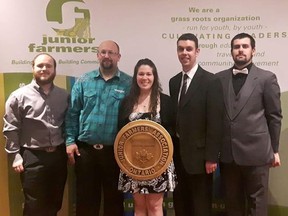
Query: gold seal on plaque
143	149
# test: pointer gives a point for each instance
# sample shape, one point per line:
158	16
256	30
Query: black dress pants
193	193
97	170
246	189
43	181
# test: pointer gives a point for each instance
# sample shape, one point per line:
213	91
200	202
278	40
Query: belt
87	145
50	149
98	146
46	149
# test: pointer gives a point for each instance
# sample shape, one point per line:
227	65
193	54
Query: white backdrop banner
71	30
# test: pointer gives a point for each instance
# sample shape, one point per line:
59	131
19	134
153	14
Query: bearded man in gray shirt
33	128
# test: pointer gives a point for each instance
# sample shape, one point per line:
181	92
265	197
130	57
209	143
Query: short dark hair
189	36
243	35
33	61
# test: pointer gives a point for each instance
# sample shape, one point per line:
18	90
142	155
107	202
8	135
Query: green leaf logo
81	27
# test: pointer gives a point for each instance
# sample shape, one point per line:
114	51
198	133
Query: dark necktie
184	88
183	92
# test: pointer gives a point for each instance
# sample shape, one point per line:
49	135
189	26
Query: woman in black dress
145	101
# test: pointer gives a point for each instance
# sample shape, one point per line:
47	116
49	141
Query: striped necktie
184	87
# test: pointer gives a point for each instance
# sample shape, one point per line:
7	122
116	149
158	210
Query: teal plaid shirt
92	116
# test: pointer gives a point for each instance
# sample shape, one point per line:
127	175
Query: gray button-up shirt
33	119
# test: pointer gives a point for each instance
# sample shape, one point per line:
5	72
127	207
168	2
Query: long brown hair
135	90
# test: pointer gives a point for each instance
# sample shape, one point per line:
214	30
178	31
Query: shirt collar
191	72
37	87
97	74
248	66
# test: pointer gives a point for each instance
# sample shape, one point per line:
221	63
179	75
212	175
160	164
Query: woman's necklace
143	103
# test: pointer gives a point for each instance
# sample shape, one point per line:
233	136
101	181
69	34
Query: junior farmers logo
67	13
70	20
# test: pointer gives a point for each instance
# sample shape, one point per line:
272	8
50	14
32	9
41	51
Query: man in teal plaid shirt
91	127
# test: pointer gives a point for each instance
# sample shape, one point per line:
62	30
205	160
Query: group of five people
231	118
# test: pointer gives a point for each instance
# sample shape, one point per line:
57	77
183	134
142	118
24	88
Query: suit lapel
195	82
228	92
245	91
177	85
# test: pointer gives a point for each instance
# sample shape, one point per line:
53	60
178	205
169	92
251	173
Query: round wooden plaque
143	149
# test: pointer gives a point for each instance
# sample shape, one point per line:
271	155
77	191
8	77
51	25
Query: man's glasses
110	53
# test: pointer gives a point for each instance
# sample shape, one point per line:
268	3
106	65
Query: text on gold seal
143	149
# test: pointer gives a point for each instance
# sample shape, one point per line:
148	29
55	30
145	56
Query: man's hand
71	151
276	161
17	162
210	167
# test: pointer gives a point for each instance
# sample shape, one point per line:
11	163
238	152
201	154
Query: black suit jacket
200	119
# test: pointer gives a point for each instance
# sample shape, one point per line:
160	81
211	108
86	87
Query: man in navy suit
198	105
252	125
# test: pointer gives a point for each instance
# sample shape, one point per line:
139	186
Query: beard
45	80
241	62
106	64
